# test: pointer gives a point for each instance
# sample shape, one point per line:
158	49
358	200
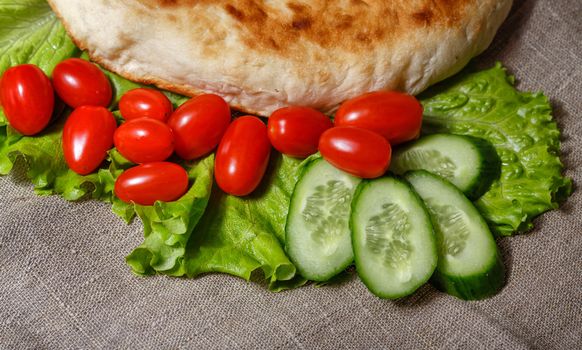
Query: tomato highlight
359	152
145	103
27	98
242	156
81	83
147	183
396	116
87	136
295	131
144	140
199	125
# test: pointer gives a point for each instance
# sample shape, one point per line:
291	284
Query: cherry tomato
145	103
295	131
198	125
27	97
147	183
144	140
242	156
87	136
394	115
360	152
80	83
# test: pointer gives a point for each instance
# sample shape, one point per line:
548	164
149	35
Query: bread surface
261	55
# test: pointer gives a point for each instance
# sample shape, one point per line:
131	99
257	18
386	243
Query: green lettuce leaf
520	126
45	164
209	231
168	226
234	235
240	235
31	33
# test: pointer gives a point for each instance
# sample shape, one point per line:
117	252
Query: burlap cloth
64	282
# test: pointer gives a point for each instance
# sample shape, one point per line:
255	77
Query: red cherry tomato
394	115
295	131
147	183
198	125
27	97
360	152
242	156
87	136
80	83
145	103
144	140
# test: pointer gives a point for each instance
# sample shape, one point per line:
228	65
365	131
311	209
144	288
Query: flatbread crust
261	55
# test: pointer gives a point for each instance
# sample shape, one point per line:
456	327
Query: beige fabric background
64	283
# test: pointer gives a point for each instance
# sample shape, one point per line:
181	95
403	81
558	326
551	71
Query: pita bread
261	55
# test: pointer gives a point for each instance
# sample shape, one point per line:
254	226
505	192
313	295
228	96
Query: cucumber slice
469	266
470	163
394	243
317	232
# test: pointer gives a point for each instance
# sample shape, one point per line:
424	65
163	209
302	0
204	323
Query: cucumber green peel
469	265
240	235
520	127
204	231
394	244
470	163
318	238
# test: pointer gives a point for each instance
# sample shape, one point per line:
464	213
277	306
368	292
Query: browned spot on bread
273	44
423	17
363	37
264	25
234	12
344	22
301	23
297	8
126	40
252	15
160	3
300	52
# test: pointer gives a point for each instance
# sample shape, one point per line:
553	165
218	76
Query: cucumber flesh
470	163
393	239
469	265
318	239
